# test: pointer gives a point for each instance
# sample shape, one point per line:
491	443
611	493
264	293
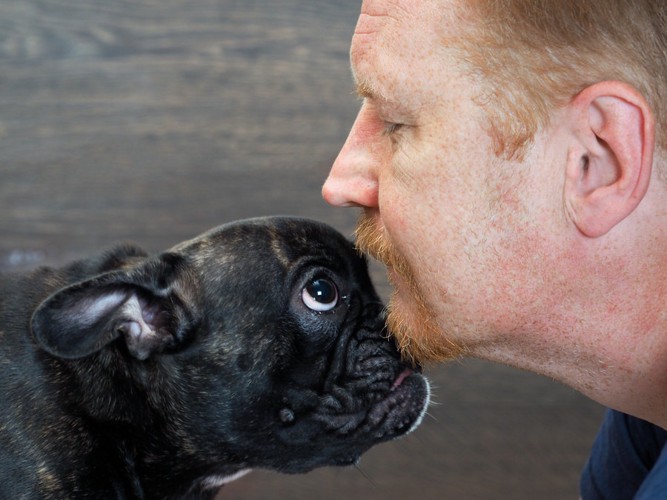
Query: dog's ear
151	308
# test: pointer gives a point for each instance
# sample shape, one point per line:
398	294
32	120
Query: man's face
449	215
485	253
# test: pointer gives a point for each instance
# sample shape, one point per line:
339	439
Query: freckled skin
494	244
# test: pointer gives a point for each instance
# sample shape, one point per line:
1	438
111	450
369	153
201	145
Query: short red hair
536	55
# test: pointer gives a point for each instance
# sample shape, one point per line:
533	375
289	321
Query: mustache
370	240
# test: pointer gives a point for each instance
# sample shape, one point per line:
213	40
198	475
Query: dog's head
262	343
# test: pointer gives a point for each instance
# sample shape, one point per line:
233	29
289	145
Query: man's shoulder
626	461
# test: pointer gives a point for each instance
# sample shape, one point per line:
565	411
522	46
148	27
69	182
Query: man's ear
609	163
143	306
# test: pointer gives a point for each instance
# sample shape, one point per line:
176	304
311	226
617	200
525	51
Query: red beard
418	337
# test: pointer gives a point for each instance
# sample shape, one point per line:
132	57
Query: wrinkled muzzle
370	394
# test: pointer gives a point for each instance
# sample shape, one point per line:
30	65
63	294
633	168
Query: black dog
259	344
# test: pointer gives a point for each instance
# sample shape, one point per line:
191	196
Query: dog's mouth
395	413
344	426
401	377
404	408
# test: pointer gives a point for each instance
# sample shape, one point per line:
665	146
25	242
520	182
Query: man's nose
353	181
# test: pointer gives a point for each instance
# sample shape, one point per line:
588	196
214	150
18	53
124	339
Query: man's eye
391	128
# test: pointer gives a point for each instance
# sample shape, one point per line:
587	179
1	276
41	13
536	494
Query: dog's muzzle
370	394
375	395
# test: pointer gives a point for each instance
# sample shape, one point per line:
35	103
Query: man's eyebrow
364	89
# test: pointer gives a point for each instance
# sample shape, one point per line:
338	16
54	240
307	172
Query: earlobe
611	155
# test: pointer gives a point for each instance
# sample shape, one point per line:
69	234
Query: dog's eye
320	295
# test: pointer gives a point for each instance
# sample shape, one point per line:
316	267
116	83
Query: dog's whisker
366	476
431	416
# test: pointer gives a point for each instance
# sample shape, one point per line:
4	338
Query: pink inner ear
142	329
133	328
150	313
139	318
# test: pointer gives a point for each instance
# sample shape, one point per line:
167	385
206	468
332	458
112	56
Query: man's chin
417	334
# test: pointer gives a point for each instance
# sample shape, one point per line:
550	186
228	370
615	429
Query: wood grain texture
153	120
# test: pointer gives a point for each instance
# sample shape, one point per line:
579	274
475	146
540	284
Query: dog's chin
403	409
343	436
372	397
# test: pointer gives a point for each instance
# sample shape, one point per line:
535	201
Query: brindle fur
136	376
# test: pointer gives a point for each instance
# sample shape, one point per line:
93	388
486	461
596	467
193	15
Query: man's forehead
379	7
375	13
390	32
373	18
387	7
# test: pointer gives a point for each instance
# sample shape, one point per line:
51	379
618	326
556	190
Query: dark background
153	120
